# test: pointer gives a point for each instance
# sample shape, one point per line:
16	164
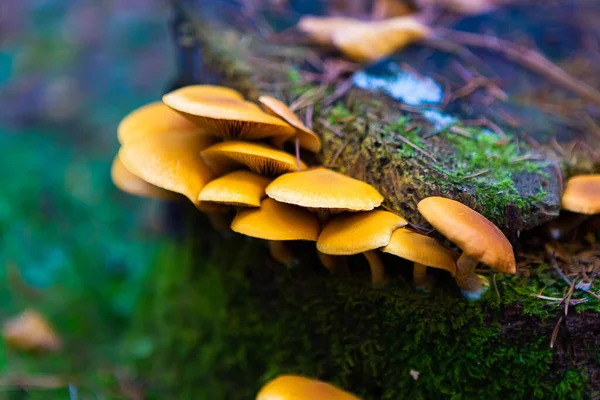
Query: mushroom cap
354	233
289	387
239	188
472	232
582	194
30	331
132	184
367	41
421	249
276	221
225	116
153	118
322	188
258	157
172	162
321	29
308	139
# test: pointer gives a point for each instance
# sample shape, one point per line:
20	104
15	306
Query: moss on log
223	322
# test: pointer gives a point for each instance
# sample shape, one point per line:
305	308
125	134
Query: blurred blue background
72	245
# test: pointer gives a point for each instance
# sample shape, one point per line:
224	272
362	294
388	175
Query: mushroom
291	387
171	162
479	239
239	188
277	222
365	41
132	184
260	158
30	331
362	232
225	116
153	118
324	191
582	194
305	137
424	251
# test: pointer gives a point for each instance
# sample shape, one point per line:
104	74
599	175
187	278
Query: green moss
489	162
224	327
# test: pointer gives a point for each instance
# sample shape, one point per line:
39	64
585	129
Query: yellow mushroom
307	139
277	222
239	188
360	233
171	162
582	194
260	158
424	251
132	184
290	387
225	116
479	239
325	190
30	331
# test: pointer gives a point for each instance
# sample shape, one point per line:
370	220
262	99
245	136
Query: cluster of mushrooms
222	152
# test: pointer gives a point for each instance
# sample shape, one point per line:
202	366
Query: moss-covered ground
225	323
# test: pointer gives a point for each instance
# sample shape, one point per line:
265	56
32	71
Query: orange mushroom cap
132	184
308	139
153	118
239	188
321	29
321	188
421	249
471	231
276	221
30	331
225	116
582	194
260	158
373	40
289	387
172	162
354	233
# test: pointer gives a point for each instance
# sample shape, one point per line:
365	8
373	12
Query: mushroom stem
472	285
335	264
323	216
298	161
280	252
420	278
564	225
219	221
377	270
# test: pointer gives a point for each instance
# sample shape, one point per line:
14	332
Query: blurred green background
72	245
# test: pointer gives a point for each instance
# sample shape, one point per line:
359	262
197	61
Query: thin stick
527	57
414	146
331	128
555	332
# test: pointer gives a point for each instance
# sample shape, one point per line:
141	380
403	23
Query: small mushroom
322	189
153	118
30	331
290	387
479	239
171	162
307	139
582	194
239	188
423	251
362	232
225	116
277	222
260	158
365	41
132	184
